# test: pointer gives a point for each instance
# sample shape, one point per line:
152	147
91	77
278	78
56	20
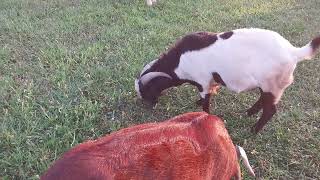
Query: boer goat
190	146
241	60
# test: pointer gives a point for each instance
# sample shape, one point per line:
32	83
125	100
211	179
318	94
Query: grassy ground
67	69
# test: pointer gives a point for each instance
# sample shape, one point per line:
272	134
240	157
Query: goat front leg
205	100
213	91
206	103
200	89
269	109
204	89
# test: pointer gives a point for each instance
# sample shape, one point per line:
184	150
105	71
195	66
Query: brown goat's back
189	146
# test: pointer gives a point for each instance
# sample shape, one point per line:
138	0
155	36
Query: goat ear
155	87
163	82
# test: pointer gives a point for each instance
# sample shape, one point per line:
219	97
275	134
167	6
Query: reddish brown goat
189	146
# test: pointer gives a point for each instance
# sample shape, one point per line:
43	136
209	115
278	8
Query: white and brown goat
241	60
190	146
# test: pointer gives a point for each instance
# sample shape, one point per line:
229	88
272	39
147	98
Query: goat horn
147	77
241	153
147	66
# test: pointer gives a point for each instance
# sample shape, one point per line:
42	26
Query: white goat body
250	58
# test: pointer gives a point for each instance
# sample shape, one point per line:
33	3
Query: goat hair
241	60
190	146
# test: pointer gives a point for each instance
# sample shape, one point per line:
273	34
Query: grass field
67	70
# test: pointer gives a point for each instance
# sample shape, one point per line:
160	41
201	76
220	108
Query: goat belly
240	84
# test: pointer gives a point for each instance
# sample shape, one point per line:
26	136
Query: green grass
67	69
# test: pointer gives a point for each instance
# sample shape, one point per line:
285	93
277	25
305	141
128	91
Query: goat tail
308	51
242	154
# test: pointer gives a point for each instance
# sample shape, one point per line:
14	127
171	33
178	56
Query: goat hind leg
257	106
269	109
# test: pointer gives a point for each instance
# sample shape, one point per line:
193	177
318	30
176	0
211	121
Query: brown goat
190	146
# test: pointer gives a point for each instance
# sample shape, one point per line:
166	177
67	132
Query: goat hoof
199	102
255	129
151	104
250	112
206	110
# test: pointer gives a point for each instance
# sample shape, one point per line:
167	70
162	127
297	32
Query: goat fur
190	146
241	60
